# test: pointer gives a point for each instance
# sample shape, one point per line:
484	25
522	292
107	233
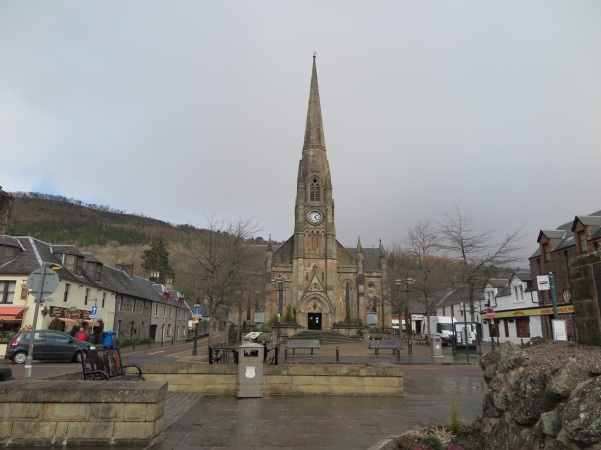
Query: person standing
81	336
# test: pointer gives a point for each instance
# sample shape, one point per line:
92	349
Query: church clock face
315	217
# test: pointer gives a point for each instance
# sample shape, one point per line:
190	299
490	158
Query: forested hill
58	220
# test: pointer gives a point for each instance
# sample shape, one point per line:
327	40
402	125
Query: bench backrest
302	343
107	360
384	343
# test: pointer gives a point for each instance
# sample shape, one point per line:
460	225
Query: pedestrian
81	336
90	338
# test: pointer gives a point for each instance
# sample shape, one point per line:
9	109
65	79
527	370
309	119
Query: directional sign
93	316
94	310
34	282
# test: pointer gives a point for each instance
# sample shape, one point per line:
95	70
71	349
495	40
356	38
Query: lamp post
279	282
47	277
408	280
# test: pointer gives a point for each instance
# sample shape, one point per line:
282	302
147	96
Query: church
312	277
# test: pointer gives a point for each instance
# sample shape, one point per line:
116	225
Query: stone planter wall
54	412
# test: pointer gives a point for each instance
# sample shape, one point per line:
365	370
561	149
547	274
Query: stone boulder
544	395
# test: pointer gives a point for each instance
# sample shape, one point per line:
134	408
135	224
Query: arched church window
347	296
314	191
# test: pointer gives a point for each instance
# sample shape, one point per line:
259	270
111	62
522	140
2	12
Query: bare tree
422	243
476	254
222	257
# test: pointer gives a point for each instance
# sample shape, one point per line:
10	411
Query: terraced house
132	307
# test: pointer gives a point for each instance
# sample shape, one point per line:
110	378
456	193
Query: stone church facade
312	276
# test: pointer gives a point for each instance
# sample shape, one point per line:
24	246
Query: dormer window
7	253
582	241
73	263
93	269
314	191
546	252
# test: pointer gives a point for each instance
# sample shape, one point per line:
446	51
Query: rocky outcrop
545	395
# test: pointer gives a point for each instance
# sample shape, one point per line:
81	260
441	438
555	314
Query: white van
440	326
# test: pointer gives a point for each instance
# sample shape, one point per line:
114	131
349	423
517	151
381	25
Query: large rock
546	395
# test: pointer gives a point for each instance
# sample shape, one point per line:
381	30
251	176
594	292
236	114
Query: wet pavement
332	422
214	422
194	421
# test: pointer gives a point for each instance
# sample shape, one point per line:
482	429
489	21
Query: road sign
94	310
543	282
197	310
93	316
34	282
490	313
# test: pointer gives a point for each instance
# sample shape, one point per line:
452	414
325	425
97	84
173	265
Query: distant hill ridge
59	220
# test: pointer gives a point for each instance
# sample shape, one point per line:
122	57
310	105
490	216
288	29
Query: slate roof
34	252
282	254
563	236
453	296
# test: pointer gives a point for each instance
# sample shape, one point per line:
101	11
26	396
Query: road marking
154	353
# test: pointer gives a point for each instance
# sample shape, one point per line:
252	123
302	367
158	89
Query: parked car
48	345
6	373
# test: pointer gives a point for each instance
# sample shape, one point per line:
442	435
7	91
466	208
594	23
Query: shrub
454	424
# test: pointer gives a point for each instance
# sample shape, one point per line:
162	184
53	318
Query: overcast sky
182	110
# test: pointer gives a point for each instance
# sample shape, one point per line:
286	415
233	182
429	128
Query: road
142	354
171	353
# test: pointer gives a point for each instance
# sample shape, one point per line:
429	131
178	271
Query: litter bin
109	339
436	346
250	370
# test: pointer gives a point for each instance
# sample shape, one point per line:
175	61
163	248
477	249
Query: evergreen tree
156	259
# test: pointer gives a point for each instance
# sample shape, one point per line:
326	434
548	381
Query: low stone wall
286	379
61	412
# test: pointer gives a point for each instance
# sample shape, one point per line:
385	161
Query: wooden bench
294	344
106	365
377	344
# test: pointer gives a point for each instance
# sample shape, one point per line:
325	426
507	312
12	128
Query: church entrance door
314	321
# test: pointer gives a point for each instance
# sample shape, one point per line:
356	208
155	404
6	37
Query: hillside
110	235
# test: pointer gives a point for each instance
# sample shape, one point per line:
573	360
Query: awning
91	322
11	312
69	321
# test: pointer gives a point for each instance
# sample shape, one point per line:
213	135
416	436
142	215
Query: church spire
314	128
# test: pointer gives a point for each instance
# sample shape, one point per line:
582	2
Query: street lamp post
280	288
408	280
40	293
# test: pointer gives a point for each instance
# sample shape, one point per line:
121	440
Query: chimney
127	268
154	277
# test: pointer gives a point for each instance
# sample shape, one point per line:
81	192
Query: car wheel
19	357
78	356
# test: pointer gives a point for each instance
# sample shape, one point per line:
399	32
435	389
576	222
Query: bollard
337	355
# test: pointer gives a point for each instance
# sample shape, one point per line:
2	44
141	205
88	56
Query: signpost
195	316
42	281
490	315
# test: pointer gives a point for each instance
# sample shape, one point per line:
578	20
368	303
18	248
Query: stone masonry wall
55	412
288	379
586	287
547	395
